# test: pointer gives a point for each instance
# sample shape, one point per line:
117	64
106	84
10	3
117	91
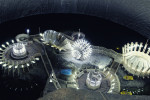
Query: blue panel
66	71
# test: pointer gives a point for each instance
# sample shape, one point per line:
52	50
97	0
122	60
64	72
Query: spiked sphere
81	49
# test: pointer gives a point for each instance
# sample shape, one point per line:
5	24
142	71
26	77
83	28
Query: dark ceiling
134	14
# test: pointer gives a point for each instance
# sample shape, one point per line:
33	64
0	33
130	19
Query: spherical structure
93	80
136	59
19	50
81	49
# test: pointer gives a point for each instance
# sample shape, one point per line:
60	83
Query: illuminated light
49	36
1	49
113	84
118	48
110	91
33	62
28	31
41	34
113	80
22	66
55	39
110	76
3	46
4	65
75	73
18	40
1	62
19	49
52	74
16	66
37	58
135	58
81	49
112	87
77	88
28	64
60	49
10	66
50	80
75	85
7	43
12	41
102	67
93	80
52	46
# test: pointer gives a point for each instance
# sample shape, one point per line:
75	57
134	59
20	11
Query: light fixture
136	58
81	49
